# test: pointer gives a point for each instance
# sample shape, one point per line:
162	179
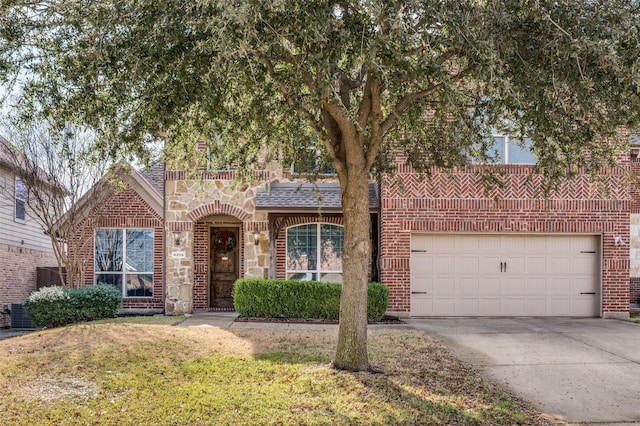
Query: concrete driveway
577	370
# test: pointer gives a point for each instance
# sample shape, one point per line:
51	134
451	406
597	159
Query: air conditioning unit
19	317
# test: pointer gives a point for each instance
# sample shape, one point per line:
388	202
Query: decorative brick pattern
457	203
217	207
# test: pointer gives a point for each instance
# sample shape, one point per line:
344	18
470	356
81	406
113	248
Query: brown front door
224	265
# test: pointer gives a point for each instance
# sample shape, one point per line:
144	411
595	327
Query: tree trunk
351	353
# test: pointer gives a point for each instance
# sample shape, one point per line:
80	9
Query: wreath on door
224	241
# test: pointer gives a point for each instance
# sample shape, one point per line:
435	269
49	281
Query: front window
21	200
314	252
124	259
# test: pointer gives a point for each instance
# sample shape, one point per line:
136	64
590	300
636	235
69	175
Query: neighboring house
24	246
442	245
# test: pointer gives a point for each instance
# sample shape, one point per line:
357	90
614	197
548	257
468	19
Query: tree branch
407	100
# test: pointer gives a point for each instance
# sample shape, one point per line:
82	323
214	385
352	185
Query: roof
307	196
154	175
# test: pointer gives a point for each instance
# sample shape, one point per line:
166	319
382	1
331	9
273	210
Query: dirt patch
55	388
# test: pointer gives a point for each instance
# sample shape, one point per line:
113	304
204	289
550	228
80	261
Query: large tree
361	79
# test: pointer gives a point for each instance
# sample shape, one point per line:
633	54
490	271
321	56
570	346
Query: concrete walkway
583	371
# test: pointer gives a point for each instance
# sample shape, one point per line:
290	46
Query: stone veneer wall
192	205
457	203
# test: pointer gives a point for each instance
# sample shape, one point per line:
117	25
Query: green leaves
266	72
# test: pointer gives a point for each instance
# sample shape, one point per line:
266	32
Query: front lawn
127	373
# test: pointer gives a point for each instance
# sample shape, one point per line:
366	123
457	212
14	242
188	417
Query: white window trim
123	273
16	199
318	270
505	149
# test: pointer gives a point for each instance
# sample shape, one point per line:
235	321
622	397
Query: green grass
132	373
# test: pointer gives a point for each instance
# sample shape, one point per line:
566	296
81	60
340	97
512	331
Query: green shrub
300	299
96	301
58	306
51	307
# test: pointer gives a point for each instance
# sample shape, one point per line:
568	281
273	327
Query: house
443	246
24	246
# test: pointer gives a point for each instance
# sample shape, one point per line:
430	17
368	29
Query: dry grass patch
127	373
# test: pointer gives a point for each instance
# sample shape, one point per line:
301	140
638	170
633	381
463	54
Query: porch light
176	237
256	236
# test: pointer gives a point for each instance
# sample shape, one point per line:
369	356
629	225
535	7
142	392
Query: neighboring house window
124	258
314	252
21	200
508	150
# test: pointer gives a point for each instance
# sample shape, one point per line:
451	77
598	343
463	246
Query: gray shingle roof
306	196
155	176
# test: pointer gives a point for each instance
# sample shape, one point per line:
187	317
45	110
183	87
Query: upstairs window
314	252
20	214
124	259
508	150
313	163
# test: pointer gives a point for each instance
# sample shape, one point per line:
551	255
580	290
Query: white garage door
496	275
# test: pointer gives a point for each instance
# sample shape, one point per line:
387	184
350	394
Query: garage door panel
557	265
422	265
490	285
513	286
489	264
465	244
443	286
535	265
583	265
468	286
545	275
512	244
535	244
444	264
489	245
536	286
468	265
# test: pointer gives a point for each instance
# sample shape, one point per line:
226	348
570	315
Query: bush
96	301
300	299
51	307
58	306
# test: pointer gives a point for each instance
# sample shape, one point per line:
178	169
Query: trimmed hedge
58	306
300	299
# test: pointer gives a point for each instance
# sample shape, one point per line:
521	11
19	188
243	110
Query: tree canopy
361	79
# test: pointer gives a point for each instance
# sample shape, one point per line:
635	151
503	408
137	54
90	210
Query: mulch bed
385	320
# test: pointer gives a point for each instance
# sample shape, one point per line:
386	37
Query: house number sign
178	254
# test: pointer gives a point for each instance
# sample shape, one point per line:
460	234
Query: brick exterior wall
123	208
18	274
634	240
457	203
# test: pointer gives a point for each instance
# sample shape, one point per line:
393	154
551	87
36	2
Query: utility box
19	317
